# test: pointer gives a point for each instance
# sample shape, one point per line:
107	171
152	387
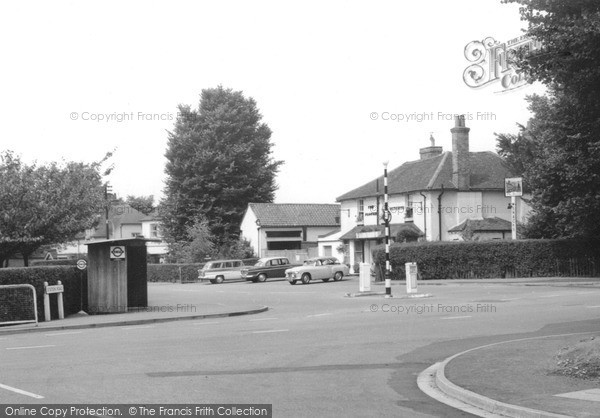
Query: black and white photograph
300	209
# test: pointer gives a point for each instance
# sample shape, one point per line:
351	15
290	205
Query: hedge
72	278
65	262
180	273
493	259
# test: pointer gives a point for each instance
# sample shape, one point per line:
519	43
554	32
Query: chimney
432	151
460	154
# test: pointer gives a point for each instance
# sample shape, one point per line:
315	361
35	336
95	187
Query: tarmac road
313	353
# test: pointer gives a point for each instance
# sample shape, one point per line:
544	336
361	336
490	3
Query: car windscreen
260	263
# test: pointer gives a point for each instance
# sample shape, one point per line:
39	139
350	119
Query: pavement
166	302
508	378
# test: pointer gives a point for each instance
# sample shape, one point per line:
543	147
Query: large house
451	195
277	228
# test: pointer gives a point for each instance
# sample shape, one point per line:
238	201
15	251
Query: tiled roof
486	224
296	214
488	171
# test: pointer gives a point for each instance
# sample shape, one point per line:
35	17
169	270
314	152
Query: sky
336	81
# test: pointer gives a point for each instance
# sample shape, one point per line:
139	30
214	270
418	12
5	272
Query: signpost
513	187
48	290
81	265
387	217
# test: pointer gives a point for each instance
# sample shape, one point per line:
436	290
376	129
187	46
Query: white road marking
269	331
22	392
585	395
138	327
29	347
262	319
457	317
205	323
321	314
63	333
595	306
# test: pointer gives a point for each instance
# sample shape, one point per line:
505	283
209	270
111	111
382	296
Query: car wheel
305	278
213	281
219	279
262	277
292	281
338	276
325	280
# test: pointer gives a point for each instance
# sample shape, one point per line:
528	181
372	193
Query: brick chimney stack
460	154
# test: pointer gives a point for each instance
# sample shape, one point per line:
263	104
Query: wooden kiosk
117	275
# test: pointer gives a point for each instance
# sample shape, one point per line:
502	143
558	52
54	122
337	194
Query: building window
327	251
359	249
154	230
360	210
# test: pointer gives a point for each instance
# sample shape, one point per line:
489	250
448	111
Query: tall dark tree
218	160
558	152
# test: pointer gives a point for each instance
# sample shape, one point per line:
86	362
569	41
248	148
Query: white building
435	198
274	228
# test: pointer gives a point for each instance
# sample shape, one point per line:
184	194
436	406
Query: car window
237	264
310	262
260	263
327	262
214	266
227	265
285	261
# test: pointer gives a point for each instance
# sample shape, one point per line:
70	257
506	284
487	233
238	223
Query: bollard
411	277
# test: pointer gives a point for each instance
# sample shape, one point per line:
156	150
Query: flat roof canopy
123	241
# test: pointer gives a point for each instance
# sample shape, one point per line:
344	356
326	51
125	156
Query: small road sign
81	264
59	288
117	253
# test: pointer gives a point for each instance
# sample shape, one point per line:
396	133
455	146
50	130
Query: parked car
218	271
319	268
267	268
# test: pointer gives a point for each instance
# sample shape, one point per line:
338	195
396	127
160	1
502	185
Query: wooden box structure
117	275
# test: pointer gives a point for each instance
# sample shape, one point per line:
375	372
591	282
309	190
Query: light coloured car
319	268
218	271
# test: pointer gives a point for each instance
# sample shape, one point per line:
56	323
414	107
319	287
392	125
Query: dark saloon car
267	268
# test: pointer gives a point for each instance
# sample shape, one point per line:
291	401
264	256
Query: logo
492	62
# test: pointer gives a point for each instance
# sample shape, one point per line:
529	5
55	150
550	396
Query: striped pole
386	219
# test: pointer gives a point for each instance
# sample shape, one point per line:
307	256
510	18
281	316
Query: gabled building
441	196
288	227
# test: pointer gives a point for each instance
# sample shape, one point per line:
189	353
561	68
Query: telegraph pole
107	190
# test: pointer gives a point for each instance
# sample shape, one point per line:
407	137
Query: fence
13	304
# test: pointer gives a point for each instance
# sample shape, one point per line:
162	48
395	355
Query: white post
513	216
46	303
61	309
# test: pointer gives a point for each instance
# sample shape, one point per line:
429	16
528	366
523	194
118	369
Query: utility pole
107	190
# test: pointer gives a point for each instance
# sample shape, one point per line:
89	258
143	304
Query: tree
558	152
218	161
48	204
144	204
196	246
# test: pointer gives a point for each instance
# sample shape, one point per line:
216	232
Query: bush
494	259
73	279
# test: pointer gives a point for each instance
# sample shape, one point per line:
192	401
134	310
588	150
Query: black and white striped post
387	217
